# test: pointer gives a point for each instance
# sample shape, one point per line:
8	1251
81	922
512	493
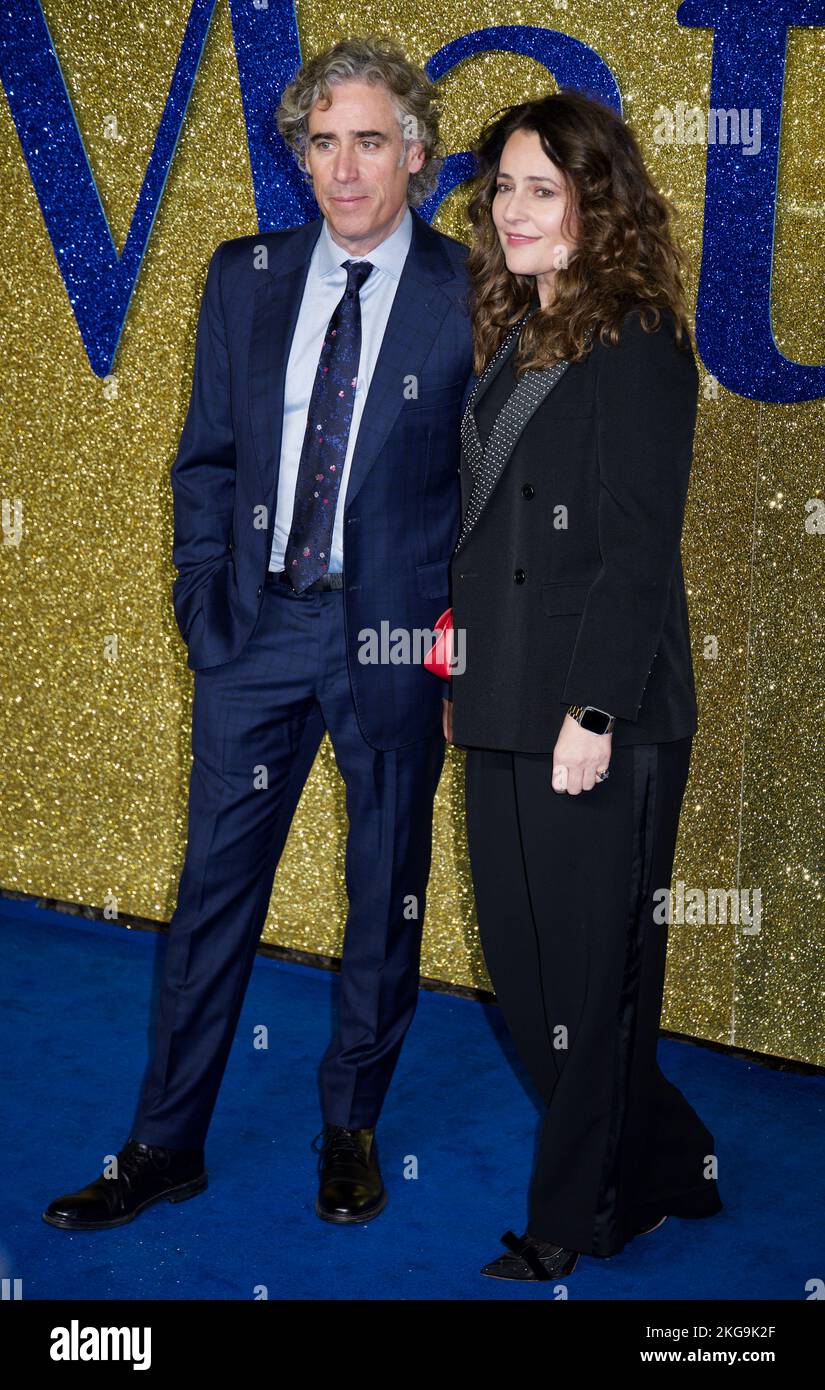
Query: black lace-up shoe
531	1259
350	1186
145	1173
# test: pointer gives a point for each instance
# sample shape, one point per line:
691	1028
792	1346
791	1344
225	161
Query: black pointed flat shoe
654	1226
531	1259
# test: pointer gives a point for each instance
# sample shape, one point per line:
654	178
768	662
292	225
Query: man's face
355	157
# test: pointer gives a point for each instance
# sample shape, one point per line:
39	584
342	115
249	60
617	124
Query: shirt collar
388	255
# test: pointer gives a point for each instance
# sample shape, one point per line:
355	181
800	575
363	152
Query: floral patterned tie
325	440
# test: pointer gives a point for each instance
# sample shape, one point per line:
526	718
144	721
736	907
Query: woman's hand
578	756
447	719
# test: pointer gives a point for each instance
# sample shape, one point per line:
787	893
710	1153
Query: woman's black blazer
569	587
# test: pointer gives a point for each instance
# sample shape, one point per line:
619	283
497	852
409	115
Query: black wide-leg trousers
569	900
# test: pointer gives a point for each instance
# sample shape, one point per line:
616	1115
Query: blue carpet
456	1141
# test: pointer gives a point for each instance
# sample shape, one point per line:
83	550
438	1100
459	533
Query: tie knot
357	272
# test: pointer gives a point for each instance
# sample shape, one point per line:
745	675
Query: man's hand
447	719
578	756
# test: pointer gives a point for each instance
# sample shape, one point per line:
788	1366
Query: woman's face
529	205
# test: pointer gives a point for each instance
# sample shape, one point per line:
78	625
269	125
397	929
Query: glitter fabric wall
96	690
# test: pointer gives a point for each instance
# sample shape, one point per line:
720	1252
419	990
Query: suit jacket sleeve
647	401
203	474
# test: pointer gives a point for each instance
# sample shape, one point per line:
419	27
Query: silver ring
603	776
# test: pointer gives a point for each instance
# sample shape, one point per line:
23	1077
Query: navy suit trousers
268	708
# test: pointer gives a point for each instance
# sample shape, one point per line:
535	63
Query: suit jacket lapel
502	355
496	363
487	464
418	311
275	314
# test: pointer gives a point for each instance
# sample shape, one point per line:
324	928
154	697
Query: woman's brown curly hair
625	252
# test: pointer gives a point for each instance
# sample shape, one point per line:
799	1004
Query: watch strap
578	712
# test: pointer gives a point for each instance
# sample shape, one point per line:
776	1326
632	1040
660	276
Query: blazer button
519	576
260	590
528	491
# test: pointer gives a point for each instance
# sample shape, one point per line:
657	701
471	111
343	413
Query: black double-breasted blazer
568	586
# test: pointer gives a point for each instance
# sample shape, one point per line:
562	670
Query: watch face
595	720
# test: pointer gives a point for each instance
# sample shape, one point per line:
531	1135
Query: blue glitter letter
733	315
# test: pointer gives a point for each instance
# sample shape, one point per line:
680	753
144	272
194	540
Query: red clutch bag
439	658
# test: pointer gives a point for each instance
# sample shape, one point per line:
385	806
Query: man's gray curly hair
368	59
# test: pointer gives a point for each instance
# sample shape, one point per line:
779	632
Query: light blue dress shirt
325	284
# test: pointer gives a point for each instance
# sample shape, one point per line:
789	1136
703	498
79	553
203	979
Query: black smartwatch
596	721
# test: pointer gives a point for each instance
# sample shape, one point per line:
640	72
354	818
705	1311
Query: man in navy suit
316	503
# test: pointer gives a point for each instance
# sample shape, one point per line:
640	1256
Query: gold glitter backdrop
96	751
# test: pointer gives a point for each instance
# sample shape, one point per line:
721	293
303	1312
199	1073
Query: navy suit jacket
403	499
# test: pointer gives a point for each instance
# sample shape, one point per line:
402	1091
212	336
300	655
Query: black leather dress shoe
145	1174
350	1184
531	1259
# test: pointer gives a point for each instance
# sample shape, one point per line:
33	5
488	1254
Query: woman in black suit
574	692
